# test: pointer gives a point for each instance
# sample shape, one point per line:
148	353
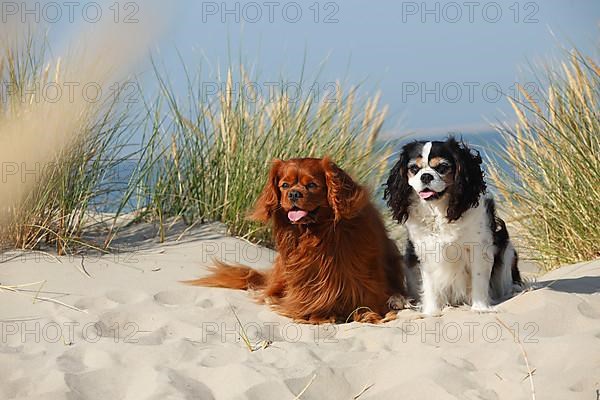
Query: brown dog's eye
285	185
311	185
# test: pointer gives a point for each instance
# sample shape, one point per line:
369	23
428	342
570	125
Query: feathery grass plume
554	154
216	160
56	151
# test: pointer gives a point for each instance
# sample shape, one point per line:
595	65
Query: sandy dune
139	334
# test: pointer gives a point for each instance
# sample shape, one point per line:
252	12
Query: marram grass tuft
553	189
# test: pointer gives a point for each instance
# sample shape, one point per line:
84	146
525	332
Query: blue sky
439	65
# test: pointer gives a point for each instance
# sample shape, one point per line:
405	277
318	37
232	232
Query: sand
130	330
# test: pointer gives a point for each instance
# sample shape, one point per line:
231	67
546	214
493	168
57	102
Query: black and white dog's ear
397	190
469	184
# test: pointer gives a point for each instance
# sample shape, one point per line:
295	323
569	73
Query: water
113	188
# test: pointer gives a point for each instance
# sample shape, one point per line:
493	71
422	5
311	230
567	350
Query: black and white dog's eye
413	169
442	168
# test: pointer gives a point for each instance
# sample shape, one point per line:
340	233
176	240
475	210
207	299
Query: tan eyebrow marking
419	162
435	161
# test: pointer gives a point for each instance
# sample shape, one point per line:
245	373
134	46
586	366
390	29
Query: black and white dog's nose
426	178
294	195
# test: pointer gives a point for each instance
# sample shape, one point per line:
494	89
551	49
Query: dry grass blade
263	344
367	387
83	269
353	313
16	289
38	291
299	395
524	353
242	331
529	374
8	287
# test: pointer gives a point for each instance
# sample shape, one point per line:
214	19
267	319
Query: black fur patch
410	257
469	184
398	193
501	239
516	274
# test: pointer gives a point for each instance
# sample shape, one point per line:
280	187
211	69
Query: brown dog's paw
397	302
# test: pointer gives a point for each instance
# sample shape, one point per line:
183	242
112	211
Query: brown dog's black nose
426	178
294	195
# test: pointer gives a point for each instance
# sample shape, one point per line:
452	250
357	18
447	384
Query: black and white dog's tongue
425	194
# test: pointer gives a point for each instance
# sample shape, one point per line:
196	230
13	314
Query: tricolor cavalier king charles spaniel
458	249
335	259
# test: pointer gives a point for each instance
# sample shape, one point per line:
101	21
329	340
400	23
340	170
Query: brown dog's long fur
339	264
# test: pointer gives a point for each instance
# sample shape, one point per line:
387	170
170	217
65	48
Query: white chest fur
449	253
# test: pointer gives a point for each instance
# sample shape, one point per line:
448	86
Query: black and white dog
456	241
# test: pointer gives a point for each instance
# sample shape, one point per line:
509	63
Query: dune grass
197	157
553	151
208	158
55	195
205	158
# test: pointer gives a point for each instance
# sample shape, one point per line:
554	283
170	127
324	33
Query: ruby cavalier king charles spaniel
335	259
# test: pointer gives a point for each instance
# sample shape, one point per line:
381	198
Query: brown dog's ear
345	197
268	201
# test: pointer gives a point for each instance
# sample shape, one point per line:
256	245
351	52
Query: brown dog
335	259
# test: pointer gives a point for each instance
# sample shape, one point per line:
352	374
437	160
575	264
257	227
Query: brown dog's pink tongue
296	215
425	194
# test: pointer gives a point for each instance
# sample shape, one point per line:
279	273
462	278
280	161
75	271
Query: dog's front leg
481	270
431	301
